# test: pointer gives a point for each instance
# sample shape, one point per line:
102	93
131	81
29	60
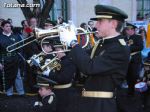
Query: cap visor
49	80
94	19
36	86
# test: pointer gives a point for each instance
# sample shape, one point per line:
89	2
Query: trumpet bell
40	33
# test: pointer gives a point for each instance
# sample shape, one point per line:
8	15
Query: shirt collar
7	34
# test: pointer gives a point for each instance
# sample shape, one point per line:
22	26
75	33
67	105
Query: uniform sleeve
66	73
110	60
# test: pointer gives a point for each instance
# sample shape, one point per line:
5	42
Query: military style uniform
63	90
136	46
105	72
47	101
47	104
30	78
108	64
10	60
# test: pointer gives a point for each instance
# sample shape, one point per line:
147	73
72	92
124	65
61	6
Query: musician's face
130	31
60	54
104	27
43	91
47	48
7	28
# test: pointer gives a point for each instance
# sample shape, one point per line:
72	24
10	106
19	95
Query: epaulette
122	42
51	99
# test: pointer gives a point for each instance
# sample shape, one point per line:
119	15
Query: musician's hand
67	35
35	60
37	103
46	72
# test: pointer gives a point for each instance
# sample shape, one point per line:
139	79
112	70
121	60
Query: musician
47	99
10	74
108	64
64	77
135	43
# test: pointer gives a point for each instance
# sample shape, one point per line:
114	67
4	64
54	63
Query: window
59	10
143	9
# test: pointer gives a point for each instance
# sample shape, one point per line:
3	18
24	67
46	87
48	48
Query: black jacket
66	73
11	60
47	104
136	45
105	71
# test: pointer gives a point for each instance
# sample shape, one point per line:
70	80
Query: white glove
46	72
67	35
35	60
37	103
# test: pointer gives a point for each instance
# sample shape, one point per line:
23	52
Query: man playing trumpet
64	77
107	66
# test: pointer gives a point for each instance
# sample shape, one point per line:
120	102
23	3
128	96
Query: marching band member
135	43
108	64
47	100
64	77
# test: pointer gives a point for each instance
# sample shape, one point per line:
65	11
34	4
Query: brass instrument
53	63
51	33
39	61
40	34
32	61
81	35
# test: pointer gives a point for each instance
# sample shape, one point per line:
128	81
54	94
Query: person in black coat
64	91
47	98
135	43
8	59
107	66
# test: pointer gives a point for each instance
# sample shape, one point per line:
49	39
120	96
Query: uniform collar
109	37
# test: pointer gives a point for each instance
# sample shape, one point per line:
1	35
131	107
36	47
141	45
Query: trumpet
40	34
41	63
33	60
53	63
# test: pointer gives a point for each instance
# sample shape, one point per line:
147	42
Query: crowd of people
86	80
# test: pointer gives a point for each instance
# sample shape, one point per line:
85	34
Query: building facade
76	10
